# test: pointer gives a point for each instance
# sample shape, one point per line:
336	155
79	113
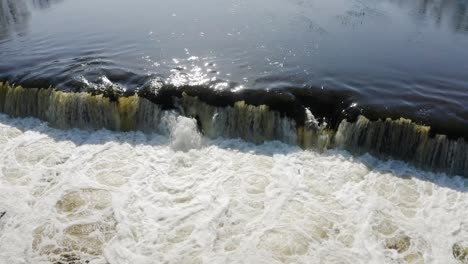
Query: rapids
75	196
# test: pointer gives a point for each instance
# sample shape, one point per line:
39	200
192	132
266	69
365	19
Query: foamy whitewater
73	196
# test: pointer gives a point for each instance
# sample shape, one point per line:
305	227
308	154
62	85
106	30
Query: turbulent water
257	118
71	196
233	131
398	58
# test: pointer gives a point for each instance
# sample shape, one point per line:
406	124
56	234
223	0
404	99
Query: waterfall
399	139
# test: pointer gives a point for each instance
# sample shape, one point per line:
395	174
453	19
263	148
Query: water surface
396	58
73	196
177	196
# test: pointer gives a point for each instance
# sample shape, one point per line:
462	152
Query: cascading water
266	131
398	139
75	196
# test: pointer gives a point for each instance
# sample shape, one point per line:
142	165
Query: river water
233	131
394	57
106	197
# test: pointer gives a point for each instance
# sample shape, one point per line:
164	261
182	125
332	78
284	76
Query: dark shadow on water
15	15
450	13
44	4
81	137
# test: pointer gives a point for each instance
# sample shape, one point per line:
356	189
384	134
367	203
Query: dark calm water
395	57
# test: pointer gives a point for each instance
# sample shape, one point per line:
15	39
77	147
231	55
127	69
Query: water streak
398	139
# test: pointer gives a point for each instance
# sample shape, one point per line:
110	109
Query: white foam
185	135
111	197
